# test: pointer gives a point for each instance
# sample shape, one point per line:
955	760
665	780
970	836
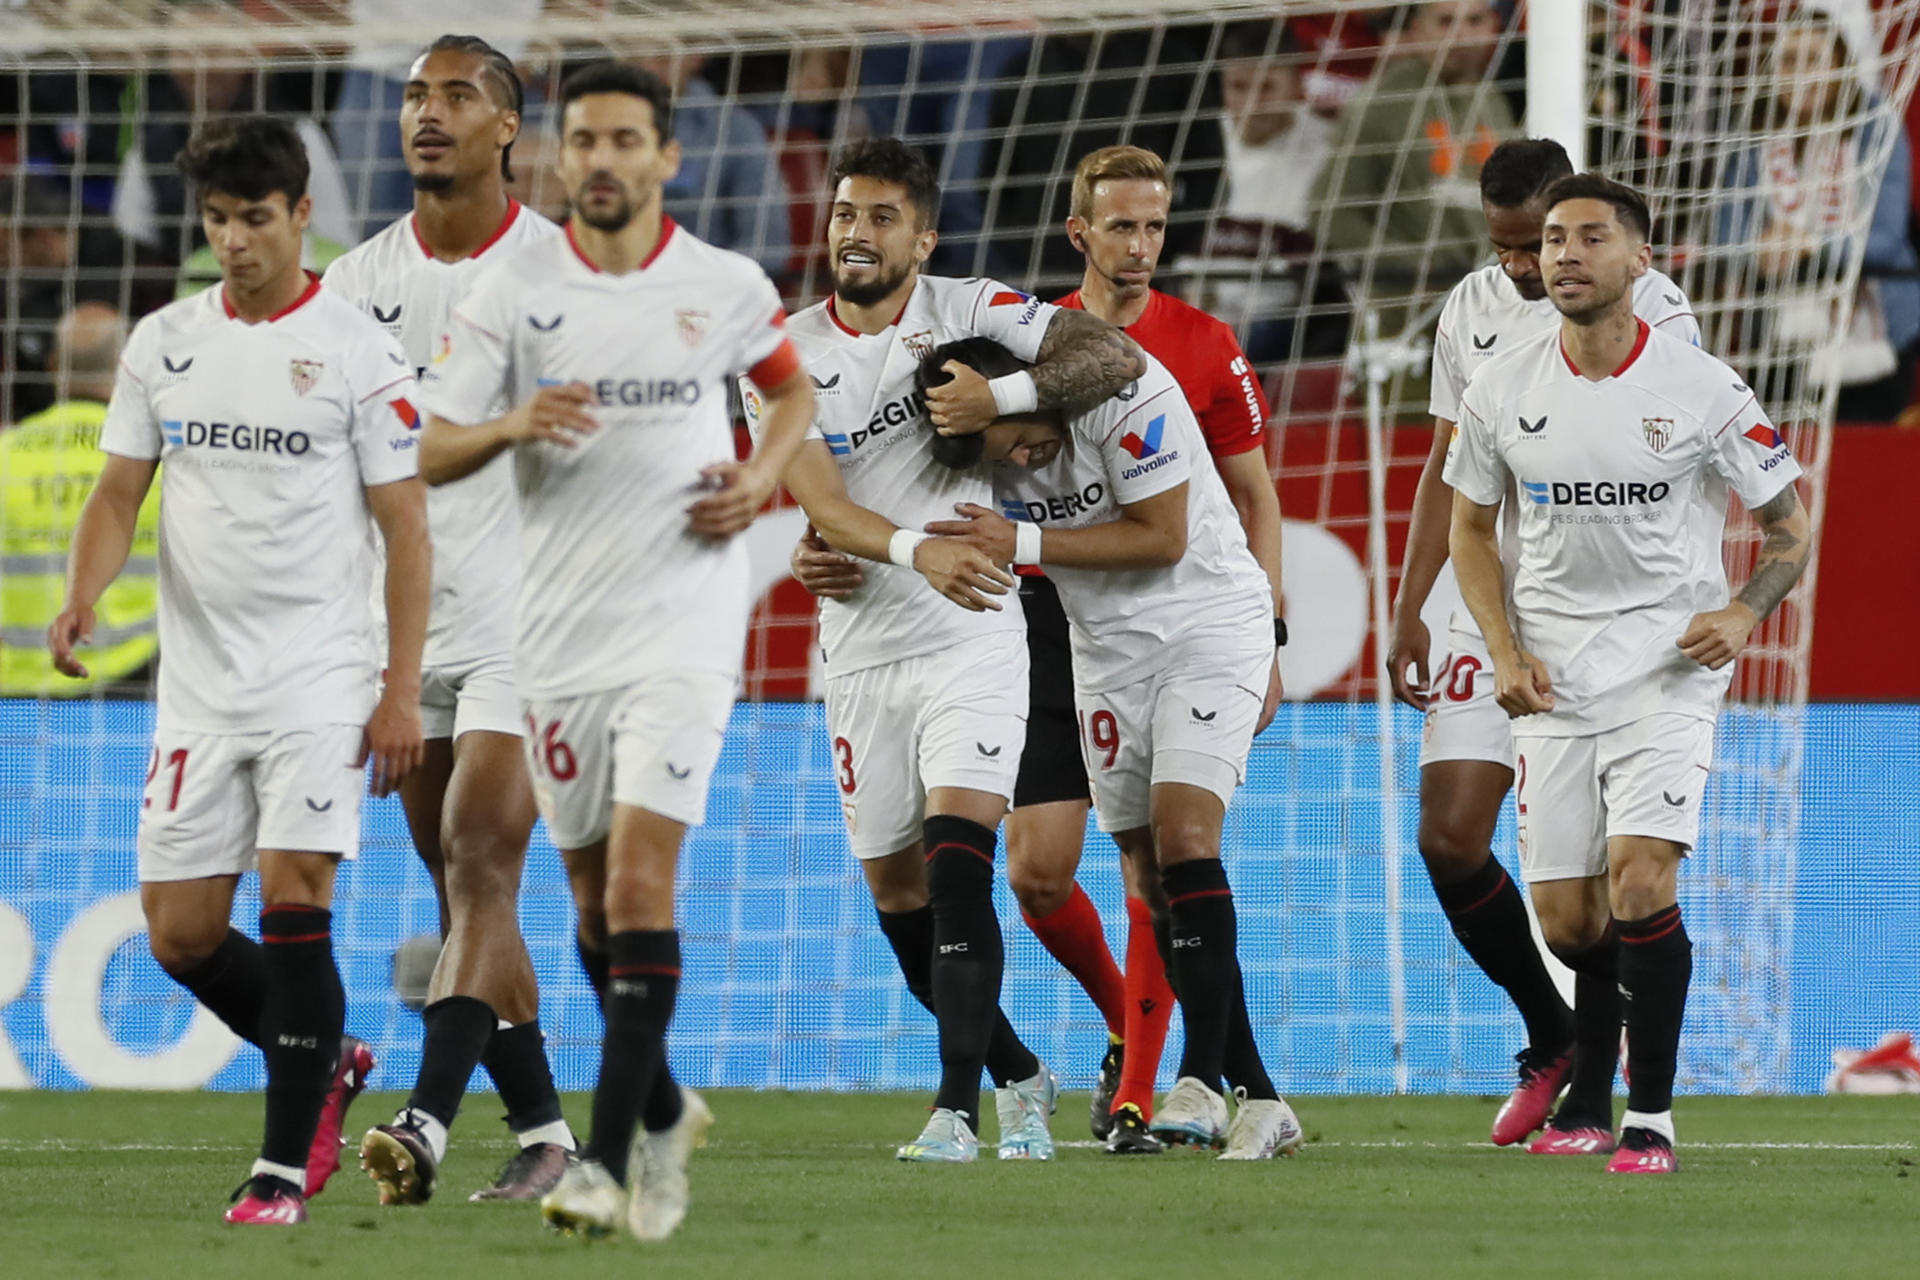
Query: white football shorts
1644	778
1192	722
478	694
651	744
1463	720
953	718
213	800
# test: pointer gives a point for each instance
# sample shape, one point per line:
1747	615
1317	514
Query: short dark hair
1521	168
502	80
1259	38
246	156
887	159
1628	205
985	357
620	77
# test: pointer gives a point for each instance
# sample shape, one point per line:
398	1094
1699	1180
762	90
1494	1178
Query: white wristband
1015	393
900	546
1026	542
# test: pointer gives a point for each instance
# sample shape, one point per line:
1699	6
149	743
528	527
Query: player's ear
670	157
301	213
923	245
1077	232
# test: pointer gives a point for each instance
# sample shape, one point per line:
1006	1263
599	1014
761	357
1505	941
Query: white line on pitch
1488	1146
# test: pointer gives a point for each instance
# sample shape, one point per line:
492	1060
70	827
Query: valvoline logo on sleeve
409	416
1146	446
1009	298
1764	436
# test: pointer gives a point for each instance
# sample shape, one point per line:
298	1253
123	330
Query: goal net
1328	250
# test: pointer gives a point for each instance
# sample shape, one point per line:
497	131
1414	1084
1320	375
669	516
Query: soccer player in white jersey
927	729
1172	632
1466	752
284	419
616	345
470	806
1611	633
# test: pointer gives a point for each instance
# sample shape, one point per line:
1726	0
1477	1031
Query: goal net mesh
1303	233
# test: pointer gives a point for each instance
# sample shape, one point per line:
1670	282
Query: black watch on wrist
1280	633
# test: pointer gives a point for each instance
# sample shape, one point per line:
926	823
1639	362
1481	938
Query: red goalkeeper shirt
1206	360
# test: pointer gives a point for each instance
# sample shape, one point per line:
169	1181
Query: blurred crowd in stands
1326	164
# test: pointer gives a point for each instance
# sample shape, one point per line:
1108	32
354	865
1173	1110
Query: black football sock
1490	920
232	982
1205	972
1656	964
643	969
1596	1041
516	1058
593	963
299	1027
967	956
664	1103
1241	1061
458	1029
910	934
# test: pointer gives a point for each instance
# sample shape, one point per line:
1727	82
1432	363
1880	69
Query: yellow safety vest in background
48	466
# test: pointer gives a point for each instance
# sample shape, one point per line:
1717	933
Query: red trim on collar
667	225
506	224
313	287
1639	345
838	323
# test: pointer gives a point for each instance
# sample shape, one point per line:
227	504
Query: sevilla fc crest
920	344
303	374
1658	432
692	326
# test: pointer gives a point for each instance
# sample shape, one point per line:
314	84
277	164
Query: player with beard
470	807
1466	752
1612	634
927	731
616	344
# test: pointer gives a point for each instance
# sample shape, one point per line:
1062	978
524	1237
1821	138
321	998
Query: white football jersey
396	280
1485	316
1140	443
268	435
614	586
1622	488
875	424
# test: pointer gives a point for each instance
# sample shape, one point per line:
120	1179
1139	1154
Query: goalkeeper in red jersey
1121	200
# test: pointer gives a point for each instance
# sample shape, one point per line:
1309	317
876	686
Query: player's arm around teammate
952	567
1168	706
1083	360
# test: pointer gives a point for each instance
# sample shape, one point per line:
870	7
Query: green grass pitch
101	1185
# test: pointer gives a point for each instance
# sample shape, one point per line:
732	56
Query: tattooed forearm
1783	555
1082	361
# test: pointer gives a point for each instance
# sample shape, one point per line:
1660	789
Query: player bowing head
459	115
1512	183
275	405
616	143
1024	440
251	176
880	232
1172	639
1593	247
